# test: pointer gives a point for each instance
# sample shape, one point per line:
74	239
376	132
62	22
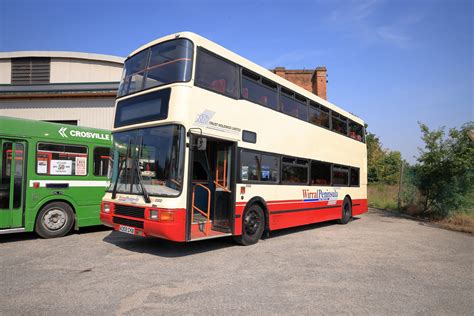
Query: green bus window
5	176
19	158
59	159
101	161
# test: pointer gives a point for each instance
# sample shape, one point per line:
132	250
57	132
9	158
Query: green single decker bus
52	176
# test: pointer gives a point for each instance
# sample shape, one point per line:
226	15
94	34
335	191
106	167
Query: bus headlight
154	215
106	208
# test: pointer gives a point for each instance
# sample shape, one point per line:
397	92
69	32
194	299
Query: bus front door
12	182
211	208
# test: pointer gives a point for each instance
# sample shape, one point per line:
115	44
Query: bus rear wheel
346	212
253	225
54	220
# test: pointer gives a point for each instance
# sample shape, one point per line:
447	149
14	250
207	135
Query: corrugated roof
60	54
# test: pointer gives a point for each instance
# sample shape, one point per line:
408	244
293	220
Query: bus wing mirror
201	143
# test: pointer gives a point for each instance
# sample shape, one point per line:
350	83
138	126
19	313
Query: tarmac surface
377	264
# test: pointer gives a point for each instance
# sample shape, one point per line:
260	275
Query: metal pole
400	180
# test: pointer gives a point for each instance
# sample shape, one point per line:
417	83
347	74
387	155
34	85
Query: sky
392	63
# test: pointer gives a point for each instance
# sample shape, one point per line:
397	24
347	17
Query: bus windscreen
160	64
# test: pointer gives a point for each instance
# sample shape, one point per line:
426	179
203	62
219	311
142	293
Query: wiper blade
114	191
146	197
136	166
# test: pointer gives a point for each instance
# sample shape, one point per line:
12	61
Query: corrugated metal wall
88	112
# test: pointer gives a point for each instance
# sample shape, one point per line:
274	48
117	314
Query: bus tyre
54	220
253	225
346	212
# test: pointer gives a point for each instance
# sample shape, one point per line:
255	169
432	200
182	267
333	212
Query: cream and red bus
209	144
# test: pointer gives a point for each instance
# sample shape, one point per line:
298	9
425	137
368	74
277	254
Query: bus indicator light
166	216
36	185
242	190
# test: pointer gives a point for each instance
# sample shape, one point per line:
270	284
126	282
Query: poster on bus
61	167
42	166
81	166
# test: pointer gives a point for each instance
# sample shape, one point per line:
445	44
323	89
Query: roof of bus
221	51
17	128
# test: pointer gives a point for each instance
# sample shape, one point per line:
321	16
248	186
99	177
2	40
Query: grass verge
384	196
460	222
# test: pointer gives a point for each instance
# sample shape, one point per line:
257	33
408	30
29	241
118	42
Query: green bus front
52	176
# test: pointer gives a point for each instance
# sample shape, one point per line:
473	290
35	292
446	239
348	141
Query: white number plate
126	229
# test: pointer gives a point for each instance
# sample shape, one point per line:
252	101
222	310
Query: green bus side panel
85	202
4	219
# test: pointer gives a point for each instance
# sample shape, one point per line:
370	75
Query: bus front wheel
54	220
253	225
346	211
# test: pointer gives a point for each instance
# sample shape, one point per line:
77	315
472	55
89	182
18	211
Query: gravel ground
377	264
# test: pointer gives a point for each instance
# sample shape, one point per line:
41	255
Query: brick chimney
313	81
319	82
280	71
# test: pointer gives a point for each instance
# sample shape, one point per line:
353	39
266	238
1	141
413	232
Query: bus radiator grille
131	211
128	222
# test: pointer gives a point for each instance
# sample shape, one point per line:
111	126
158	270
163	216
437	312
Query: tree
383	165
390	167
374	157
445	170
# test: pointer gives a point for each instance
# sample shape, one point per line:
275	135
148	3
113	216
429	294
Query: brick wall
312	80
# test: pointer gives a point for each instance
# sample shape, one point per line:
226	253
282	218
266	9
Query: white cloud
358	19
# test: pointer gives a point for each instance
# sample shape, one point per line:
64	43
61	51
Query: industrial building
68	87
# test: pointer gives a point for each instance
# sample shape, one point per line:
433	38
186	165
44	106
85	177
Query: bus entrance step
222	229
198	217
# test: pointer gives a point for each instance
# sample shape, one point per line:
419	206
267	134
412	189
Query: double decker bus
209	144
52	176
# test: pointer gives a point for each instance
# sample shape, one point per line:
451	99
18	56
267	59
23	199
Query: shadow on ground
169	249
8	238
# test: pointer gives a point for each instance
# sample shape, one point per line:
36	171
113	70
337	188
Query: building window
58	159
294	170
216	74
30	70
101	161
65	122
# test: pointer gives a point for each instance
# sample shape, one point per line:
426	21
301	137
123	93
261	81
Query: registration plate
126	229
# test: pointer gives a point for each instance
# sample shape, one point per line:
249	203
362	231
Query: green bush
445	170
